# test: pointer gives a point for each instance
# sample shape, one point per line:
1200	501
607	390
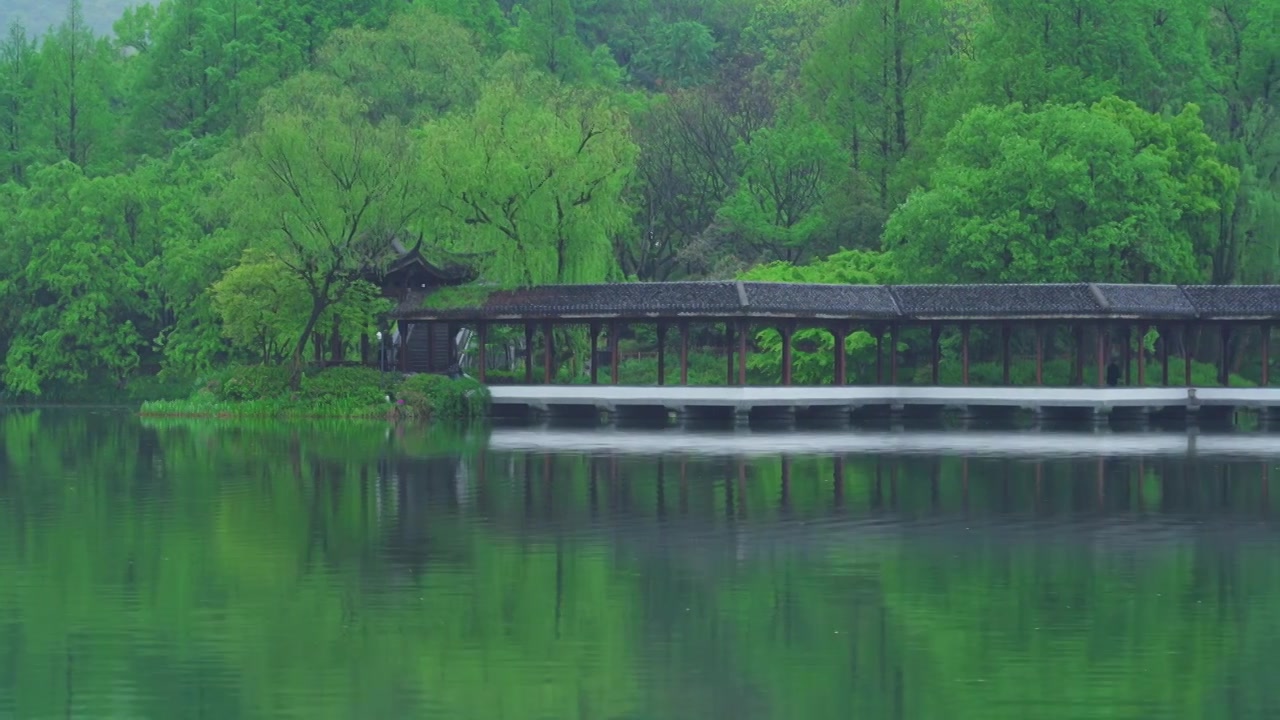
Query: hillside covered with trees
215	175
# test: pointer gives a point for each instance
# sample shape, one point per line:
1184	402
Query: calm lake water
198	569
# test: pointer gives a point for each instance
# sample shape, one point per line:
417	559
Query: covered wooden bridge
1104	324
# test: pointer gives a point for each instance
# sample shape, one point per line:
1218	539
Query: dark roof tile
714	299
1154	301
854	301
982	301
1235	301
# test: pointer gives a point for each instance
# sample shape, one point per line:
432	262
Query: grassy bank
346	392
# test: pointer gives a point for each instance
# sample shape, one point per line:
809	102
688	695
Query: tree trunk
317	309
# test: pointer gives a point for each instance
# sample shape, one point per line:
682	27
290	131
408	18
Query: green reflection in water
251	570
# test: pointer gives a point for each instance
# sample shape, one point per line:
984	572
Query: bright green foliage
546	31
813	350
360	385
263	306
441	397
78	291
246	382
1037	52
421	65
533	178
199	69
74	84
849	267
349	392
788	173
326	191
1063	194
876	68
17	103
582	140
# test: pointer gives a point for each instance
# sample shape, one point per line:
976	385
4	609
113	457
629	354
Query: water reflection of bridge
781	478
989	444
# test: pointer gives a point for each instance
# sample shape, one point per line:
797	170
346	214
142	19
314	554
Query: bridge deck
610	397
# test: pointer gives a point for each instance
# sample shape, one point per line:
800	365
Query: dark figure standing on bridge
1113	374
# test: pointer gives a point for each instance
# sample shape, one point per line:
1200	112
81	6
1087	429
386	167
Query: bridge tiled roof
1149	301
864	301
727	299
995	301
1235	301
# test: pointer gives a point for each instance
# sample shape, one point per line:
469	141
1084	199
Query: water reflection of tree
246	567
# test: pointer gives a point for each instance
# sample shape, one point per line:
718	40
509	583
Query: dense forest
214	175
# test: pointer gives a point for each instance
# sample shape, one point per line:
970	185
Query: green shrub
356	385
439	396
248	382
504	377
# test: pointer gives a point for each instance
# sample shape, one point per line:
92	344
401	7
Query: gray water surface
218	569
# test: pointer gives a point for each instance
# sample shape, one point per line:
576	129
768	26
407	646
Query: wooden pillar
662	353
1188	353
1224	359
786	333
1039	354
1102	355
742	353
964	353
364	348
839	334
548	352
1006	336
594	331
934	333
728	353
317	342
614	329
1126	356
684	353
1142	355
880	356
1165	335
528	354
1266	355
1078	370
482	351
893	354
404	346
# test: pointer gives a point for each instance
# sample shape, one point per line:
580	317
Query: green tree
263	305
75	83
326	191
1246	58
1064	194
875	69
78	283
532	179
680	53
547	31
421	65
17	83
789	171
